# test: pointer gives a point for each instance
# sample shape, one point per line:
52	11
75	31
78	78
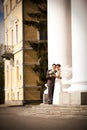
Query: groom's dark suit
50	84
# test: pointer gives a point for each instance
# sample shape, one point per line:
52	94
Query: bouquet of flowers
52	73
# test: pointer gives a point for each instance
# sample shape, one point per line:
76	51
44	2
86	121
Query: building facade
19	57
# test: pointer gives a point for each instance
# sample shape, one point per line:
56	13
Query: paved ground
14	118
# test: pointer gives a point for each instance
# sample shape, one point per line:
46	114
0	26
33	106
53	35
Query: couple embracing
54	83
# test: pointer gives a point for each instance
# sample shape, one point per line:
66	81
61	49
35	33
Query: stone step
45	110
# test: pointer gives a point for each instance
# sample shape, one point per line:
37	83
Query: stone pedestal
45	95
69	98
73	98
45	98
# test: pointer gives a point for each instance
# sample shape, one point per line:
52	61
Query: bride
58	85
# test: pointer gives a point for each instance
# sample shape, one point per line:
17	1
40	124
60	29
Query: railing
7	51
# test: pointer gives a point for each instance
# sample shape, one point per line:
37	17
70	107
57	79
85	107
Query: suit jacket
50	80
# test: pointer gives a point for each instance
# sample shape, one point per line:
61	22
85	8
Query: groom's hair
53	64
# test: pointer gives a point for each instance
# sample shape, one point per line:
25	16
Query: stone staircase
55	111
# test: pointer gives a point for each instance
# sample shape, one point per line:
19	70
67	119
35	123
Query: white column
59	34
79	45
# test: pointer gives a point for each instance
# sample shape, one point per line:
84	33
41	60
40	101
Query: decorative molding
12	20
5	1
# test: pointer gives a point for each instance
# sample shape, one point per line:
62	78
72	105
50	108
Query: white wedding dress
57	90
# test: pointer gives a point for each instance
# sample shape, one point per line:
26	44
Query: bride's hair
58	65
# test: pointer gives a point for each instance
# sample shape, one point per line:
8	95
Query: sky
1	23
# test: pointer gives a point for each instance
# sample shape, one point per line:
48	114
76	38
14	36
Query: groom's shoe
49	103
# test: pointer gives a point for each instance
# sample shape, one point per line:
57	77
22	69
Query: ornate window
6	10
7	96
10	4
17	70
12	40
16	33
17	95
7	76
7	38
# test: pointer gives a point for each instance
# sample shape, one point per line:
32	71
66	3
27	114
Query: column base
73	98
45	98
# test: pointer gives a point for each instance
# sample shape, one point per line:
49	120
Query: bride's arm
59	75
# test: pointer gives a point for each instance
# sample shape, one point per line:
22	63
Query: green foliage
39	17
39	21
41	67
38	1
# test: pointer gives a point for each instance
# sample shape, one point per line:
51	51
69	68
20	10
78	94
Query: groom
50	82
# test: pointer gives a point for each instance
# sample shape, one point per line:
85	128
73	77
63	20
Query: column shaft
59	33
79	45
